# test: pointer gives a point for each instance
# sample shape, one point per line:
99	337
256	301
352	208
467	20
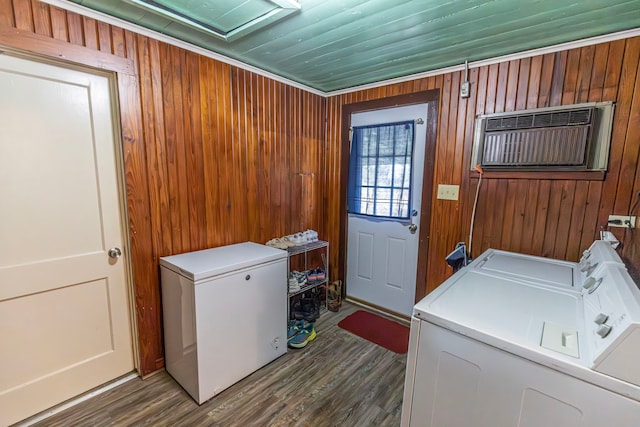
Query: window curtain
380	169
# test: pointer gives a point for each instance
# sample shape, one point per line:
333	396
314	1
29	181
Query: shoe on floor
294	329
305	335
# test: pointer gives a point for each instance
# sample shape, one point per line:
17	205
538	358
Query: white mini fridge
225	314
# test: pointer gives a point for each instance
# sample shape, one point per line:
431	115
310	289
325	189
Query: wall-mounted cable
475	205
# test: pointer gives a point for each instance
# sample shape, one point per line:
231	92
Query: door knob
413	228
115	253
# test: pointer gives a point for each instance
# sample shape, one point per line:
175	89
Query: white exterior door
64	303
382	254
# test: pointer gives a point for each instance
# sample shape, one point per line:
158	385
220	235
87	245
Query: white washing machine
511	340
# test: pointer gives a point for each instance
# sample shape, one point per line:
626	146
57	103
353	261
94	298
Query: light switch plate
448	192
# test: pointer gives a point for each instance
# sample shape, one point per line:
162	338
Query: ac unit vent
561	138
542	119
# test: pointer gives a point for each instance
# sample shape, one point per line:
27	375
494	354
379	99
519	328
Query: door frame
112	75
432	99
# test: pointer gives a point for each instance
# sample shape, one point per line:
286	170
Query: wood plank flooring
339	379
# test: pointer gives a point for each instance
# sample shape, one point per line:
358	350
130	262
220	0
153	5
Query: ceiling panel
335	44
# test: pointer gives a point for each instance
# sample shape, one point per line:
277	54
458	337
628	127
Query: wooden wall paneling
546	81
255	183
533	87
233	165
583	80
90	31
577	224
7	14
145	274
209	148
478	108
104	37
626	191
59	26
571	77
557	79
498	212
502	85
553	217
620	125
440	208
542	213
614	68
75	30
530	210
279	169
41	18
23	15
119	49
464	211
154	156
456	160
153	126
492	89
179	73
507	225
598	72
564	220
522	187
590	226
224	87
195	160
170	140
512	85
268	140
523	84
483	222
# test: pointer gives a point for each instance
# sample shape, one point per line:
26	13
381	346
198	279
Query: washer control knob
586	254
600	318
603	330
588	284
586	266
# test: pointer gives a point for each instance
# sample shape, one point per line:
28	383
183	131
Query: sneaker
310	236
294	285
294	329
305	335
300	276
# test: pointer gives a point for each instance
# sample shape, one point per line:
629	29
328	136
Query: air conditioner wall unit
569	137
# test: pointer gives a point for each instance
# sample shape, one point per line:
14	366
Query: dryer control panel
612	315
599	253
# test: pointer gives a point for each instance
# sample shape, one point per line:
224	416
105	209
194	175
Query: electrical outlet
465	89
448	192
621	221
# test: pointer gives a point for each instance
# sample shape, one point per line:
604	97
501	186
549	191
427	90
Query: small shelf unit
317	288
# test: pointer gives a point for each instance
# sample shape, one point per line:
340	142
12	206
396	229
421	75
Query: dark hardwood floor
339	379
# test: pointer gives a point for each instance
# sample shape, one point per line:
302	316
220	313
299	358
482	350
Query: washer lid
207	263
546	271
500	307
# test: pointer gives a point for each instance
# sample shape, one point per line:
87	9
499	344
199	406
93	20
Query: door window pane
380	170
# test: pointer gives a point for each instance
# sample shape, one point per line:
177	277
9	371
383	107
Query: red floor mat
384	332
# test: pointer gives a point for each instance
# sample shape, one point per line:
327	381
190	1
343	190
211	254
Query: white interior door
64	308
382	254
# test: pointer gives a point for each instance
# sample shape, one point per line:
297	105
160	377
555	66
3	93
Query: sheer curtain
380	170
